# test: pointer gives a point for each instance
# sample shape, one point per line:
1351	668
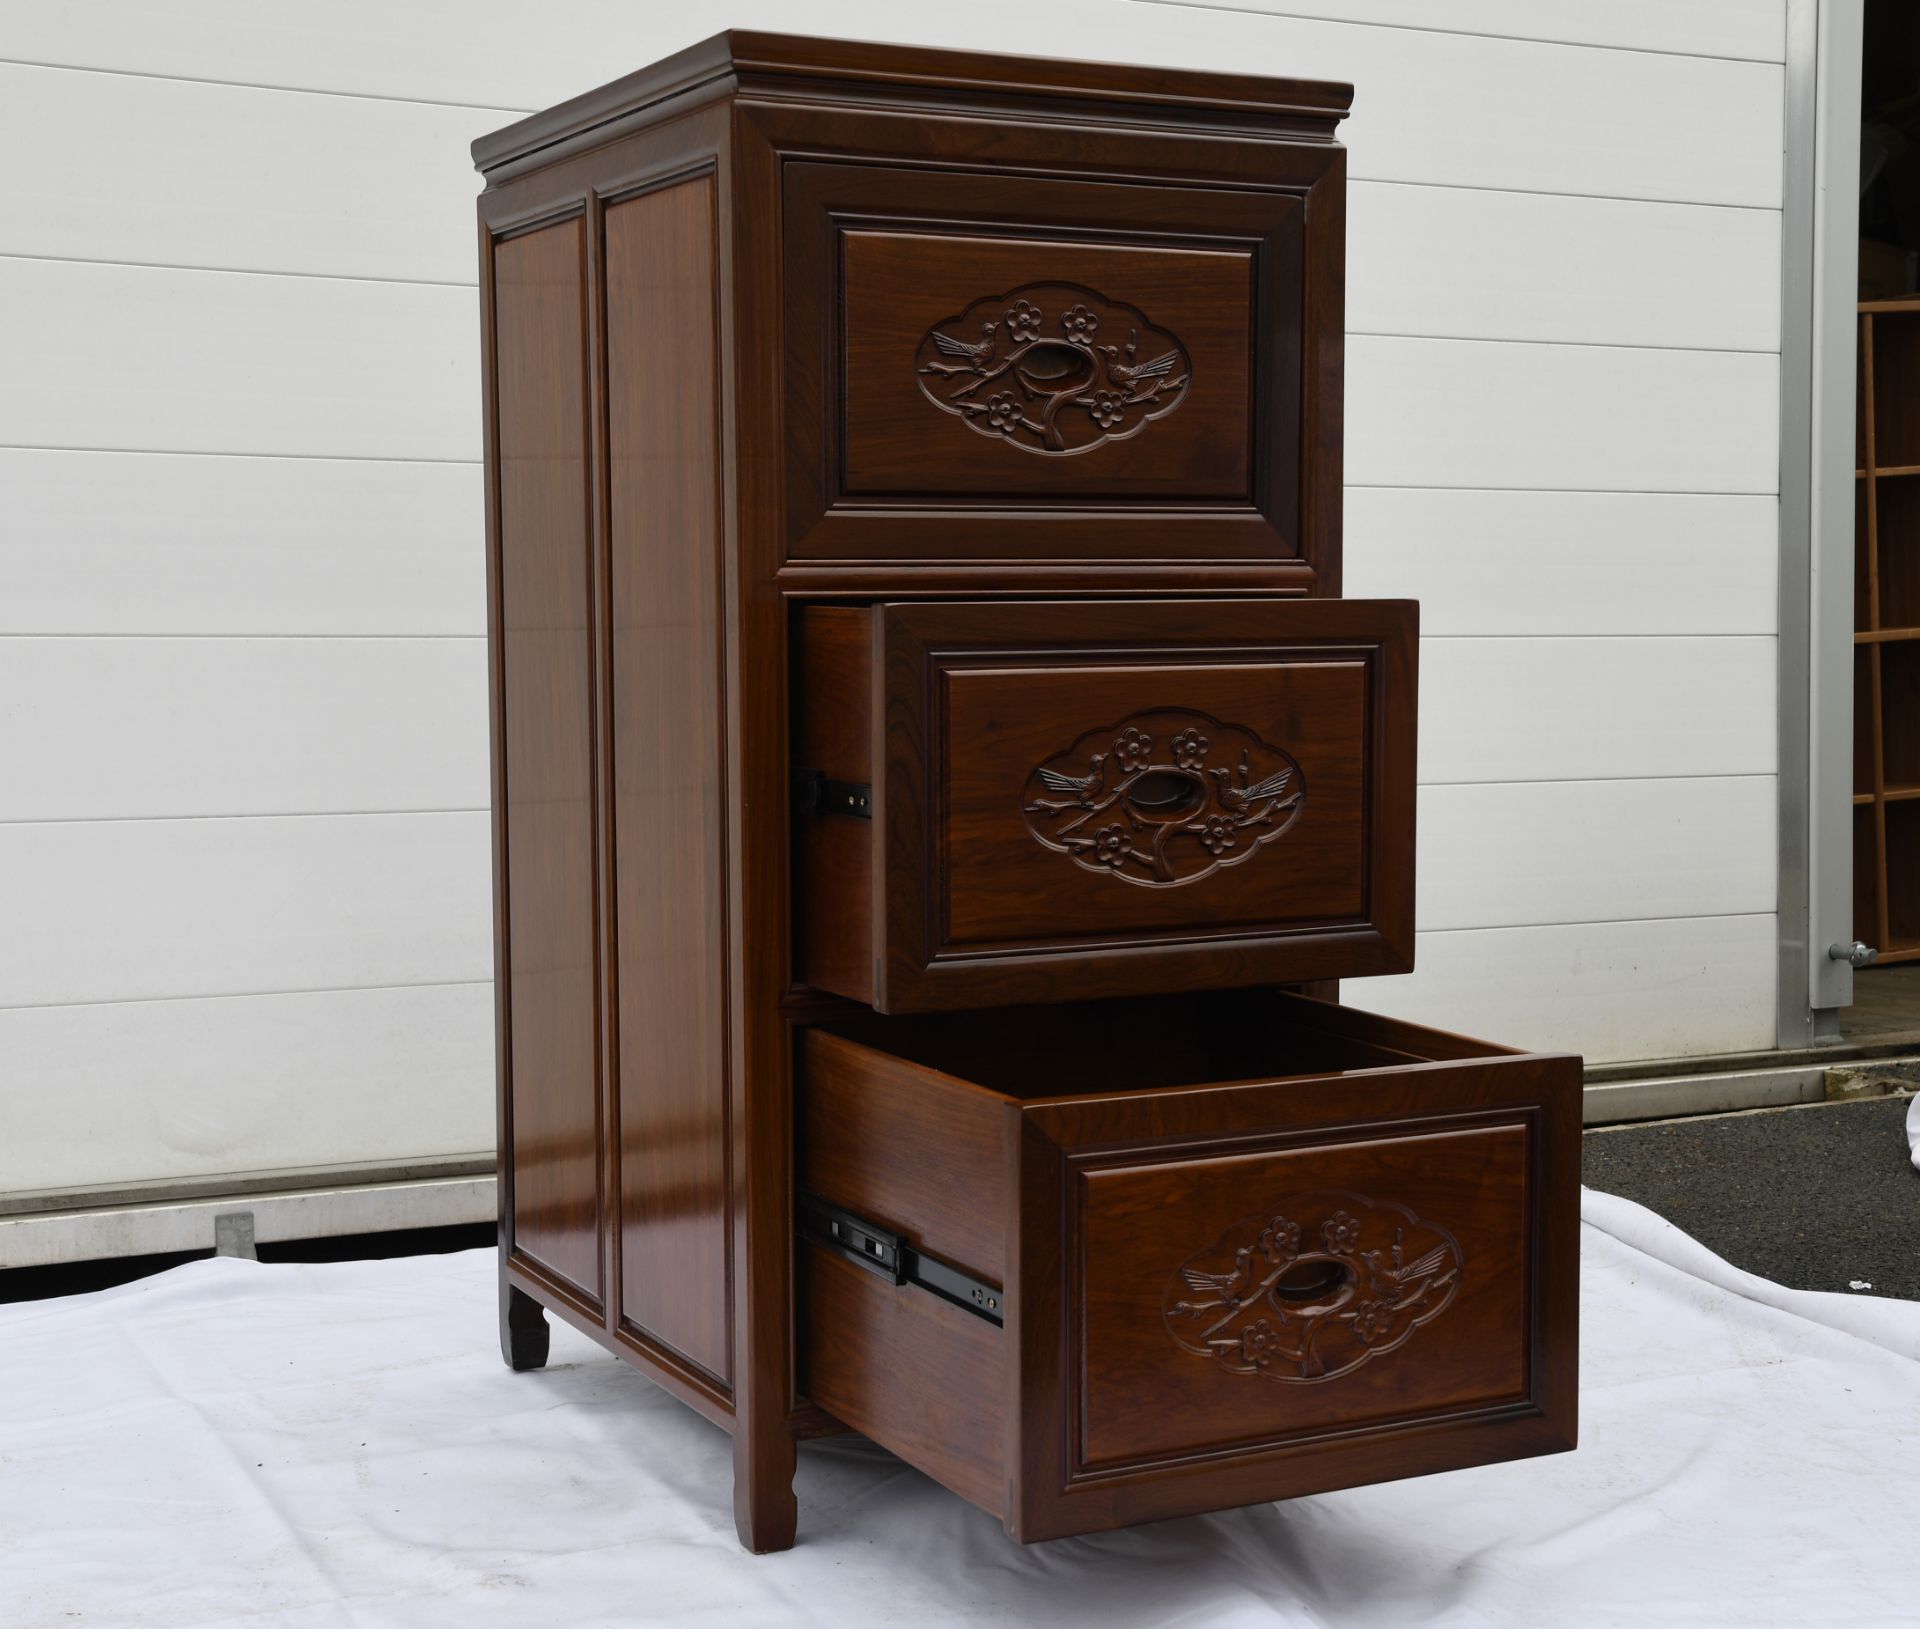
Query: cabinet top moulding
776	65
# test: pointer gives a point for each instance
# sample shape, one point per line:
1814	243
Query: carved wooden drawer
1110	1263
1006	364
1014	801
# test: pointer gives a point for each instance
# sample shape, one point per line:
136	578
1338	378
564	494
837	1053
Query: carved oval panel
1053	368
1312	1287
1164	797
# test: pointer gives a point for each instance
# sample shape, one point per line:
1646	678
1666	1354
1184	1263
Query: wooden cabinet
927	737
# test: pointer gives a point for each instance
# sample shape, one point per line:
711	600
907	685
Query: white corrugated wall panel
241	579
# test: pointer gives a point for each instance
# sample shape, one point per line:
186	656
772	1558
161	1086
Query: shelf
1886	636
1893	469
1892	958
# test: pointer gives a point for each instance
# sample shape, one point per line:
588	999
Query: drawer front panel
1257	1297
1233	1293
998	365
1081	799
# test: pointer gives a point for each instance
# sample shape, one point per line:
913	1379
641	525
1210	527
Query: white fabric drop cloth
234	1444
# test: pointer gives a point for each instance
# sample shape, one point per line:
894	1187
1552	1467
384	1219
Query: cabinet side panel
669	791
540	340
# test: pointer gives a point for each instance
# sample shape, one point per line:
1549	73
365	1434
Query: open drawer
1097	1265
1045	800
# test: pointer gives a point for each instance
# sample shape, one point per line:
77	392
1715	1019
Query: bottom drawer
1120	1262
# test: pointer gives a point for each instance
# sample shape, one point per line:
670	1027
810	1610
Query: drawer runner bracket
888	1256
814	794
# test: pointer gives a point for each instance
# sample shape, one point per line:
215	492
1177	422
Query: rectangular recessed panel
1003	365
1268	1296
1153	797
669	825
540	346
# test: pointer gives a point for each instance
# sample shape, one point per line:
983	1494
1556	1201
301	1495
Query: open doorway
1886	655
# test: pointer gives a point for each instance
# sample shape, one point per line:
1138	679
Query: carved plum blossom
1132	747
1259	1344
1004	413
1341	1232
1190	748
1112	845
1023	320
1280	1240
1218	833
1080	325
1372	1320
1108	408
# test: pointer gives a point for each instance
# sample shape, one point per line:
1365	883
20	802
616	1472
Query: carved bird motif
1125	374
1394	1277
976	355
1224	1287
1237	797
1080	787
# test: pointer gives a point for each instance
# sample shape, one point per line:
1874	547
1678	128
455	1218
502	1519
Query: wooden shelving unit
1886	640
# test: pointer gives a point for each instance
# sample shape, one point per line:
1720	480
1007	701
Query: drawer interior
1153	1044
1090	1170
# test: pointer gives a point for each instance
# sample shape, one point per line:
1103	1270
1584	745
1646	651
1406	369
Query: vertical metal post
1819	256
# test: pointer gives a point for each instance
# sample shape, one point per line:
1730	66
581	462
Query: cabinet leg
765	1511
523	1328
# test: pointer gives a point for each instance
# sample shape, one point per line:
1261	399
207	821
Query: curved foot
523	1329
765	1511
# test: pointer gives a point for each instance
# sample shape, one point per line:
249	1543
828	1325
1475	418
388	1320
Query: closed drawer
1004	365
1058	800
1242	1247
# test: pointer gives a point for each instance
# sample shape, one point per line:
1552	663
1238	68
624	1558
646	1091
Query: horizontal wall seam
247	995
1468	33
265	635
258	638
205	452
1541	192
1599	922
507	114
238	271
1564	344
272	814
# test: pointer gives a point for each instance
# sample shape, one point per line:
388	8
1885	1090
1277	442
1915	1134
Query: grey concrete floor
1814	1197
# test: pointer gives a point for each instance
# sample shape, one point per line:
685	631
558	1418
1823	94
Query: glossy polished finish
1151	387
1362	1252
967	429
669	784
1100	797
541	362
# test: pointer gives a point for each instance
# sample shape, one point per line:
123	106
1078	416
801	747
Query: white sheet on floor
1913	1131
339	1446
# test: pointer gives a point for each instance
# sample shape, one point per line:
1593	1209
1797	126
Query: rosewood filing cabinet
937	783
